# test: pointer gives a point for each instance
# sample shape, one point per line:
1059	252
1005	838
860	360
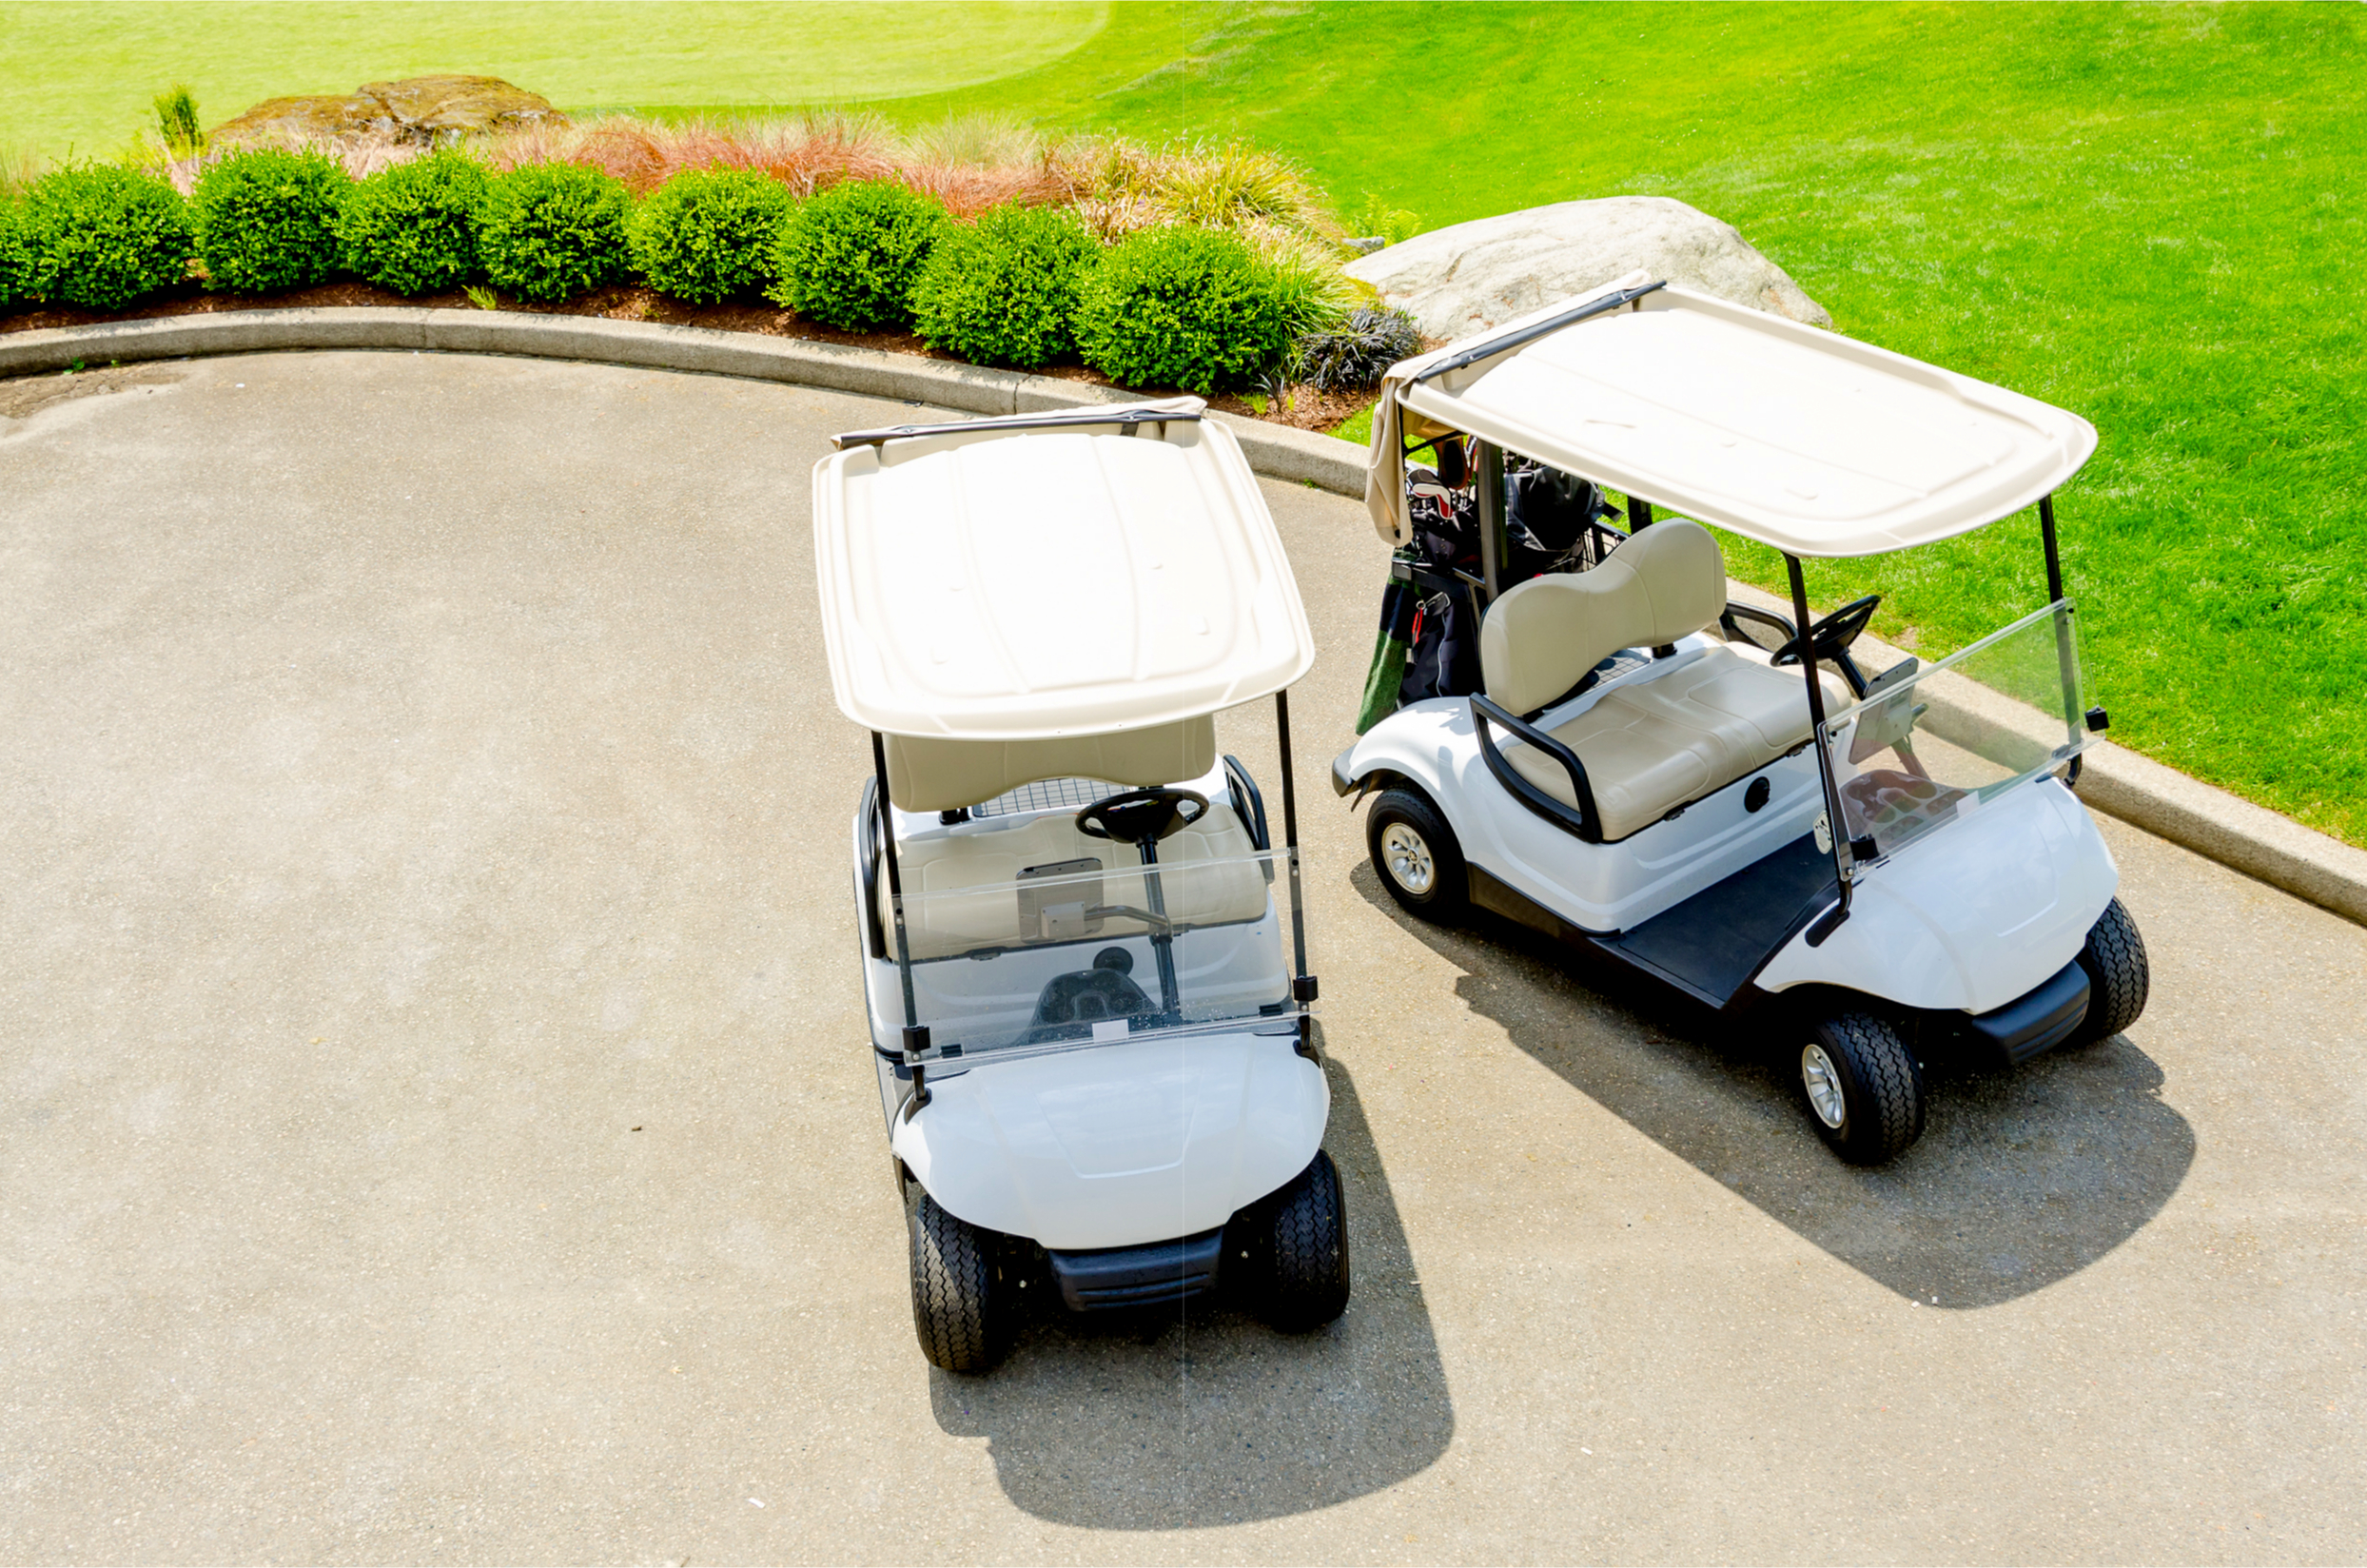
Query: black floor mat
1714	941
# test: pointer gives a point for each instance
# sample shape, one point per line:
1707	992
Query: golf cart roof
1078	573
1802	439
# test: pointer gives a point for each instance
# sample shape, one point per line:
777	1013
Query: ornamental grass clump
1188	307
266	220
1356	351
709	234
549	231
1002	291
413	227
101	236
850	257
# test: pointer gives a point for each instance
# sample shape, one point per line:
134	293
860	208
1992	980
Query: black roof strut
1505	344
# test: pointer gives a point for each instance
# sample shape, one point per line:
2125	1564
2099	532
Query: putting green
78	76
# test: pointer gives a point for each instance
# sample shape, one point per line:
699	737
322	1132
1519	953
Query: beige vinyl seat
1656	742
961	891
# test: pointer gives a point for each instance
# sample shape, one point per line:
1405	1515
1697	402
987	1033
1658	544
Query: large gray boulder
1476	275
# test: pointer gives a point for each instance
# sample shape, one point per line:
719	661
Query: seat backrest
927	775
1665	581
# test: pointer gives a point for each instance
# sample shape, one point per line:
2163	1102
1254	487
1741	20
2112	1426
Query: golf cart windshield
1932	746
1097	950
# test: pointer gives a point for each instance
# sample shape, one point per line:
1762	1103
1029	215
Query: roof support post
1835	832
2062	630
1302	983
1490	463
915	1033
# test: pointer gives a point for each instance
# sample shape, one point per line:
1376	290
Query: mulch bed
1307	410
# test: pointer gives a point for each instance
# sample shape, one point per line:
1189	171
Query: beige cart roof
1076	577
1802	439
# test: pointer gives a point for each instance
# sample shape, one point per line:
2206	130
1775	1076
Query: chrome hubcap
1823	1085
1407	857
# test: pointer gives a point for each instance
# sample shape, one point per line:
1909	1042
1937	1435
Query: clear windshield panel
1929	746
1093	950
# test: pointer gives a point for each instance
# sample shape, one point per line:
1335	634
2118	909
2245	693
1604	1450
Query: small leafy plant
849	256
1188	307
1002	291
266	220
1358	351
413	227
709	234
100	236
552	230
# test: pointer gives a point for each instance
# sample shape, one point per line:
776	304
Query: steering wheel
1830	638
1142	817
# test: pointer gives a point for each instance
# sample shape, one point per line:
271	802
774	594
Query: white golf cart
1653	774
1089	1010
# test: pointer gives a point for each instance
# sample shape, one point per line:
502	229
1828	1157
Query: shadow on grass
2021	1178
1201	1415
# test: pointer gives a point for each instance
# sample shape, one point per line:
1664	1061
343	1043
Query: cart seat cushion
930	775
1665	582
1653	745
972	875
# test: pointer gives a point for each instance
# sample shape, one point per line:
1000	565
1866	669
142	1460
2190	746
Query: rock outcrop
418	112
1473	275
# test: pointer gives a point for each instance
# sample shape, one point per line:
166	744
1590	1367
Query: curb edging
2202	817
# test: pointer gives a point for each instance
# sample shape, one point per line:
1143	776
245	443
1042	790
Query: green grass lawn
2150	215
78	76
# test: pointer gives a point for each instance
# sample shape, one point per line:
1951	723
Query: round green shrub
101	236
849	256
1001	291
267	219
709	233
14	282
1188	307
552	230
413	227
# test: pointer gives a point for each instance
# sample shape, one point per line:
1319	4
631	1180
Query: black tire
1306	1238
957	1306
1856	1067
1419	863
2118	976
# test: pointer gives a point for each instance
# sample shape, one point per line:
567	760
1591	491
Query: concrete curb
2163	801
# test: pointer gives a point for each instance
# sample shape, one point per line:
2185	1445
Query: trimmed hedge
1188	307
14	286
1002	291
100	236
413	227
709	233
851	255
550	230
266	220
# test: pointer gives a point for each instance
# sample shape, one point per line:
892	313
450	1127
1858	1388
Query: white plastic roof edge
1812	443
1187	541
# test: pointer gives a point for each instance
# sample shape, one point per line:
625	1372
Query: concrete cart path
438	1126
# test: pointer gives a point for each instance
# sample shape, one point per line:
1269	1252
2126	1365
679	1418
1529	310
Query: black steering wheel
1142	817
1830	638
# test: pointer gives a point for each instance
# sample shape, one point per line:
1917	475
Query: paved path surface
437	1126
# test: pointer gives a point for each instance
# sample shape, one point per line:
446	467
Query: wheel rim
1824	1086
1408	858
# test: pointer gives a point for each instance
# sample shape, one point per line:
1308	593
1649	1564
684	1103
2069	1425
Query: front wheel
1865	1089
1416	854
1306	1241
2118	976
957	1305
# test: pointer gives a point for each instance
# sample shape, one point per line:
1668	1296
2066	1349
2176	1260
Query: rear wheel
957	1305
1863	1088
1306	1250
1416	854
2118	976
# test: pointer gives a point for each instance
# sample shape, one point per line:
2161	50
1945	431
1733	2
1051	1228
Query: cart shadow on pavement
1185	1418
2021	1178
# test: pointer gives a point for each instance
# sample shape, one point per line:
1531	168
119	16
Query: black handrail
1584	820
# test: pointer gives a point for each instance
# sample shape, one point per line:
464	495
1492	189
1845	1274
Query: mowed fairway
79	75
